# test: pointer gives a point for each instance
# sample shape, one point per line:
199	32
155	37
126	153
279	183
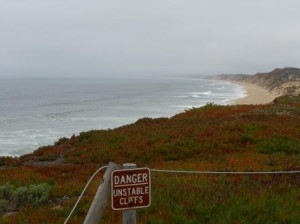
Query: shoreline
248	94
254	95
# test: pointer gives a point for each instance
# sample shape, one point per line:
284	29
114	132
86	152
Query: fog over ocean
37	112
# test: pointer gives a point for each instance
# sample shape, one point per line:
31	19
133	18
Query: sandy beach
255	95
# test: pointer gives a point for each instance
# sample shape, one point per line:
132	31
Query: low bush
279	144
12	197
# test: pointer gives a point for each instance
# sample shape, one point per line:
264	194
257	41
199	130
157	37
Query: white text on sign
130	188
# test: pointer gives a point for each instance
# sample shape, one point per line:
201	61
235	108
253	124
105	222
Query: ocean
37	112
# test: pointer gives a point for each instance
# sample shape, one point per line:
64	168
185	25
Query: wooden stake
129	216
102	196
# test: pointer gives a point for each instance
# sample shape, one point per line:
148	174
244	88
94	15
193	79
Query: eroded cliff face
282	81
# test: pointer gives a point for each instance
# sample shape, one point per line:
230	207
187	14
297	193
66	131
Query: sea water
37	112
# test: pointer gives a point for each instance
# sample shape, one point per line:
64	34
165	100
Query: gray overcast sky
93	38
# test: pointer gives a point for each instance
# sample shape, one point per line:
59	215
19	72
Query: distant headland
265	87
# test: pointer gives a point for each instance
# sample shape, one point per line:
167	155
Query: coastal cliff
280	81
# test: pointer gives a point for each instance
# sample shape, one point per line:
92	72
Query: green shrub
279	144
12	197
3	206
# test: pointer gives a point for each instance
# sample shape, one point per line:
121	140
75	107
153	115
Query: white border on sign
111	189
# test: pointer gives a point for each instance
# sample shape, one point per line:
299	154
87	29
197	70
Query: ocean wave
182	106
196	95
206	93
6	154
182	96
87	119
22	140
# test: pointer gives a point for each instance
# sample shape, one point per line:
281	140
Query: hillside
280	81
44	185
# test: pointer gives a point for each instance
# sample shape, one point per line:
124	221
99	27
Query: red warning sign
130	188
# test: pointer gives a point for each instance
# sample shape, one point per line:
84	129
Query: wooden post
100	200
129	216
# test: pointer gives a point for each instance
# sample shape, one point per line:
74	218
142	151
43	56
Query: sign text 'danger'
130	188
